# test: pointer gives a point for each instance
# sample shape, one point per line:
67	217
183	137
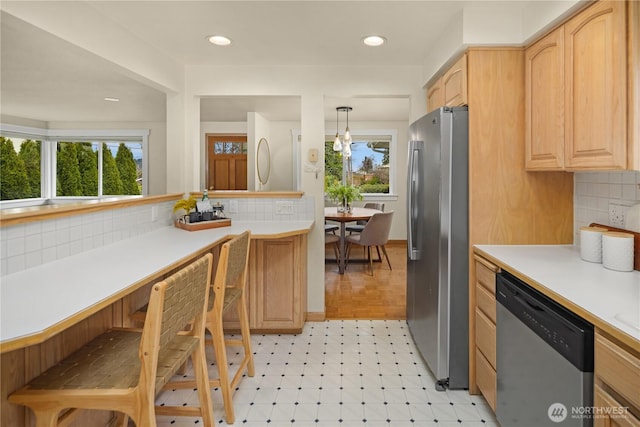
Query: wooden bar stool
228	291
123	370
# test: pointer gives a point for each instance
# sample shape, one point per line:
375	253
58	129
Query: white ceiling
46	78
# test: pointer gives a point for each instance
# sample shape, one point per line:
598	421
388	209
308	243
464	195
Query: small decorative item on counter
204	205
617	251
218	211
591	243
186	205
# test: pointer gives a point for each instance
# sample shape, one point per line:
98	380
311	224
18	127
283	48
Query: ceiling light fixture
374	40
110	99
219	40
343	145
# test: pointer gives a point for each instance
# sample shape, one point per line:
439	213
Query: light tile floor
339	373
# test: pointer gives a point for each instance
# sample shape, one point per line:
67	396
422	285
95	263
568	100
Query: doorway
226	162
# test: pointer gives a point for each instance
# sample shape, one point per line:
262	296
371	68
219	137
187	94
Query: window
370	167
39	165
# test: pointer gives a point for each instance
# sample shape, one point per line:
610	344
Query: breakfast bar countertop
609	299
37	303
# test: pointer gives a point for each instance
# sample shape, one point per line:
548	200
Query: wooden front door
226	162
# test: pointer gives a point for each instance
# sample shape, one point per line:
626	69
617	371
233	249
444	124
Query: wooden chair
124	369
229	290
375	233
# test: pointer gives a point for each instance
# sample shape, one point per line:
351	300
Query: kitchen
408	82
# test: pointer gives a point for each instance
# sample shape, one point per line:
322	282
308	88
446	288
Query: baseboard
315	316
397	243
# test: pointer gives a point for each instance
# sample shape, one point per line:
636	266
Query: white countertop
606	297
36	299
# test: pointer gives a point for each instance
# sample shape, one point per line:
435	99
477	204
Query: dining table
356	214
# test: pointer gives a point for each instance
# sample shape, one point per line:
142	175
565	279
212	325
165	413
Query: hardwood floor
357	295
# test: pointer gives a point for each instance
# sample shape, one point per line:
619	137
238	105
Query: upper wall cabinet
454	83
435	95
576	93
544	98
451	88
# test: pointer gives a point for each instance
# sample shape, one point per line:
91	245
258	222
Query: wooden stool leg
219	348
246	335
199	361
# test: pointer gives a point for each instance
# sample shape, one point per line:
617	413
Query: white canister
591	243
617	251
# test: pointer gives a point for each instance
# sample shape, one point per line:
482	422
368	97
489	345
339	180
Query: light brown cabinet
454	83
576	93
544	98
278	284
617	384
482	339
435	95
451	88
276	287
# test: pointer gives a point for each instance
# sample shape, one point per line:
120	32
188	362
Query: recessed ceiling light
219	40
110	99
374	40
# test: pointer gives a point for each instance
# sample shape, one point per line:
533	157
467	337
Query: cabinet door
595	95
435	96
610	412
454	84
544	103
277	290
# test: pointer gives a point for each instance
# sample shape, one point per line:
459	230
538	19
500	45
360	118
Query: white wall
495	23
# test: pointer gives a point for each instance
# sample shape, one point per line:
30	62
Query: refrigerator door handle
413	185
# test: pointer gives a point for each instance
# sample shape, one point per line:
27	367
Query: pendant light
343	145
337	145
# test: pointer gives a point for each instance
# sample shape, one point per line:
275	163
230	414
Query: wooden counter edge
15	216
588	316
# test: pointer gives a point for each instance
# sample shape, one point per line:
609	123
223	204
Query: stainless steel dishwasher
544	359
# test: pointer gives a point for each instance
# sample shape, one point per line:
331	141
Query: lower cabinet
616	397
276	288
482	340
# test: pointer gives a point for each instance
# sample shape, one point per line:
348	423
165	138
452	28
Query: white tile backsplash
25	246
594	191
29	245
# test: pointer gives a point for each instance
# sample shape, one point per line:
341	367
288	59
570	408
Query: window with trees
370	166
36	167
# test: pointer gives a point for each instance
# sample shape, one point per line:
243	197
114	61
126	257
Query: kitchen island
50	310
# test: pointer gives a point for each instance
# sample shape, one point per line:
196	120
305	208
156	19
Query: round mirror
263	161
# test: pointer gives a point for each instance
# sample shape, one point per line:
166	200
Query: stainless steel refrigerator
437	243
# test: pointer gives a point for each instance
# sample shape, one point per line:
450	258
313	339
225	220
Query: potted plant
343	195
186	205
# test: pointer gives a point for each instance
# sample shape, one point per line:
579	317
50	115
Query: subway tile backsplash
29	245
594	191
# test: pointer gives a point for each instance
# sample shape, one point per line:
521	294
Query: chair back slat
237	252
184	298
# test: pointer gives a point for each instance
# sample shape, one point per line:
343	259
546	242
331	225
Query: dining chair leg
370	260
378	250
384	250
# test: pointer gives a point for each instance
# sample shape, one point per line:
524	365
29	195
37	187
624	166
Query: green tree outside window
14	182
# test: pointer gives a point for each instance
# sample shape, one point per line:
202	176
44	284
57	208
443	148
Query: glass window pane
20	168
121	168
76	169
370	166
